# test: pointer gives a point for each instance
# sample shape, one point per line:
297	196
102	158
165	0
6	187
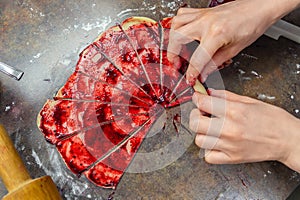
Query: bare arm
223	31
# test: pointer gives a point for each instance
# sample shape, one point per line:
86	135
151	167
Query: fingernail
170	57
203	78
195	98
210	91
187	78
187	81
190	79
193	123
194	116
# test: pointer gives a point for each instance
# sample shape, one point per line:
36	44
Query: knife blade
284	29
11	71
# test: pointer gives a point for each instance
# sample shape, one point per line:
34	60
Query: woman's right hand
244	130
223	31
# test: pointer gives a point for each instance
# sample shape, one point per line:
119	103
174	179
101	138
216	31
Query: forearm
279	8
292	156
269	11
274	9
223	31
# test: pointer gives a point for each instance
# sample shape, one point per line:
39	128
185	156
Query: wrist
291	156
280	8
270	11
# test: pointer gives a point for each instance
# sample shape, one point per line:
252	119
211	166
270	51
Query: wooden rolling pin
16	177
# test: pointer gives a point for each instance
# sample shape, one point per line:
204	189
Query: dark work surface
44	39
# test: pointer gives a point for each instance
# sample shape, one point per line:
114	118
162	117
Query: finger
181	20
218	59
176	40
205	125
208	142
210	104
198	123
202	55
207	70
224	94
174	46
182	11
217	157
180	36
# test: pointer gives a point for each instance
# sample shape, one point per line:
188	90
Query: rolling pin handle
12	169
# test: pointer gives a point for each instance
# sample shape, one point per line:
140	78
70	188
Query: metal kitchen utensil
11	71
295	194
285	29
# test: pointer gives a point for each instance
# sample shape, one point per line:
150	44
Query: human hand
244	130
223	31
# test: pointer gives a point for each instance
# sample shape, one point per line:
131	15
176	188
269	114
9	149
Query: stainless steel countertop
44	39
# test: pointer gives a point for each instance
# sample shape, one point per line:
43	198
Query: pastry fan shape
122	83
